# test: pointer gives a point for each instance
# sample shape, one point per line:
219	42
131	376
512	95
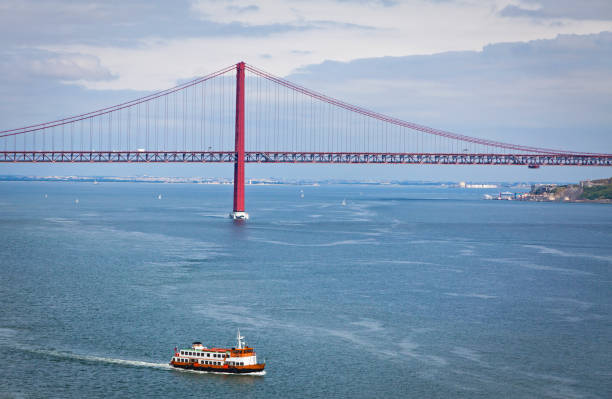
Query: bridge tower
238	212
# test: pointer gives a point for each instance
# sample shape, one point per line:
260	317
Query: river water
402	292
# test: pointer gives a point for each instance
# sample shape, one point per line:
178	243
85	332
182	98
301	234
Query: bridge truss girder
304	158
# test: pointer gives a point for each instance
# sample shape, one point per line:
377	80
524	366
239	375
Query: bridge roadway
533	160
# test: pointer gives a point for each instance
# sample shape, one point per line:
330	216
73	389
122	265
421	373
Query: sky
532	72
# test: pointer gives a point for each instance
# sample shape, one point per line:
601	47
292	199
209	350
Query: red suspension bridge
207	120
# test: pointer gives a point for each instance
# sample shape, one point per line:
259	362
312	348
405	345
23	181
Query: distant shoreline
257	181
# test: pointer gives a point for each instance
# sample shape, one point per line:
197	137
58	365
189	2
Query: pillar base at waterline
239	215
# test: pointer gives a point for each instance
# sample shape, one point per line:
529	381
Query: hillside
588	190
600	189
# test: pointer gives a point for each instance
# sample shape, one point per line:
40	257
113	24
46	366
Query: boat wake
99	359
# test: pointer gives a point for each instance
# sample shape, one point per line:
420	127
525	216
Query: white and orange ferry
239	360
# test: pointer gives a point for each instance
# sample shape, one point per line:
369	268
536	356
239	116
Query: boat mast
240	338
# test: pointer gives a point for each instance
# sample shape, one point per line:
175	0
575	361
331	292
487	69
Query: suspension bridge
242	114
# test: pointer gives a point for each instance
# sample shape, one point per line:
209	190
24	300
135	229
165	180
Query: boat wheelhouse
239	360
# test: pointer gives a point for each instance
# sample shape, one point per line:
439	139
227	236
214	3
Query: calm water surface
404	292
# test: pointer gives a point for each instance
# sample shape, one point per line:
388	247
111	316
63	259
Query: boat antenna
240	338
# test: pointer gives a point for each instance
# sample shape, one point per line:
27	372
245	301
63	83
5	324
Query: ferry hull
256	368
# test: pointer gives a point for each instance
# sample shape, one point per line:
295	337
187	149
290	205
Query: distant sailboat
344	202
159	196
301	193
76	201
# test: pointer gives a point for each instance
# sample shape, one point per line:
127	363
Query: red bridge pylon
238	212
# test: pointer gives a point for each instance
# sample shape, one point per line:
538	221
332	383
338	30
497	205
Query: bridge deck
304	157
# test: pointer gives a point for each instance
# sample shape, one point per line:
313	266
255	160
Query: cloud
70	67
116	23
291	14
39	64
571	9
553	92
243	9
283	12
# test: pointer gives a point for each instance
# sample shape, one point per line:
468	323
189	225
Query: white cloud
318	30
70	67
292	12
554	9
24	65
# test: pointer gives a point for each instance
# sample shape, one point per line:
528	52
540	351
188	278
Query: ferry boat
239	360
